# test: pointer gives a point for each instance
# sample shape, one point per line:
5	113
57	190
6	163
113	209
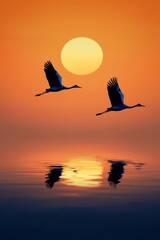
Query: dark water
80	195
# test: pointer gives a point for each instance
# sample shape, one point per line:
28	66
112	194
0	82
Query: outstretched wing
114	92
52	75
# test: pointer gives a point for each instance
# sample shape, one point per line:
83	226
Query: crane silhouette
116	98
54	80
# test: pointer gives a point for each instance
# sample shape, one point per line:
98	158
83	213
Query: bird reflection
116	172
53	175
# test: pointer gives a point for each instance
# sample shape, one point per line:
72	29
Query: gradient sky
33	32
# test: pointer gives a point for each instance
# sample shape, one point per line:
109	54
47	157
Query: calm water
86	193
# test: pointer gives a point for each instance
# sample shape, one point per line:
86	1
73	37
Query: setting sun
81	56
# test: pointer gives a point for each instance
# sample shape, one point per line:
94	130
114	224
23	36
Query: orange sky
35	31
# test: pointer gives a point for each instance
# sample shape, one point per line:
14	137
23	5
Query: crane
54	80
116	98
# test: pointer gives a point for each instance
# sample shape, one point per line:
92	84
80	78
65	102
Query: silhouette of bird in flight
54	80
116	98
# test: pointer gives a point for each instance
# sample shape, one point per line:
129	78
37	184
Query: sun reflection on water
83	172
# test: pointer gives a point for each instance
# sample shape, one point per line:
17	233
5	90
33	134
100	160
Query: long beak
143	106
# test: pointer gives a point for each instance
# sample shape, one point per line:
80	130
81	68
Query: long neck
72	87
69	87
136	105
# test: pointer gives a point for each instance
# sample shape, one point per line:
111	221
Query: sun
81	55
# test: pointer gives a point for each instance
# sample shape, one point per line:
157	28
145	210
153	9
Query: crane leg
102	112
39	94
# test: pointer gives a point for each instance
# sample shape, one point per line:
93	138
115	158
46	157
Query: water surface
83	192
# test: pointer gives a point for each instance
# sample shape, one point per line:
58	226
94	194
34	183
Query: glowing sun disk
81	56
